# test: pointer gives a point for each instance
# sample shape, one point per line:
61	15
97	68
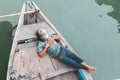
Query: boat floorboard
29	65
28	31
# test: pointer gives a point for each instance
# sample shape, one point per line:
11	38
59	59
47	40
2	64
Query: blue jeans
70	58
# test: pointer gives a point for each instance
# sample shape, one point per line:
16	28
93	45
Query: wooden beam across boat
56	73
16	14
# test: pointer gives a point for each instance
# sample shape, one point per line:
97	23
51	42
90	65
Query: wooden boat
24	63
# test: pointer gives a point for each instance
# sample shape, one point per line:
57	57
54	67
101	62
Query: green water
116	12
90	26
5	45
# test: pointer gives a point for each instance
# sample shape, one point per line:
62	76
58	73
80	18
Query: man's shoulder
53	35
41	42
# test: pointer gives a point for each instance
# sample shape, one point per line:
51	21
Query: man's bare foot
91	69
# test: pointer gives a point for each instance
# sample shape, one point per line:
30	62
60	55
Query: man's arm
43	52
49	43
57	37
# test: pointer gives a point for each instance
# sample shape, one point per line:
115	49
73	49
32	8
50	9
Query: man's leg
90	68
79	60
72	55
70	61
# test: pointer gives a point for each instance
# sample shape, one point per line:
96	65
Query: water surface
5	45
116	12
90	26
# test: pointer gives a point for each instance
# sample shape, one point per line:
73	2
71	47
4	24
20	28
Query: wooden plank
19	72
58	72
60	65
15	14
33	61
16	65
35	78
69	76
28	31
24	67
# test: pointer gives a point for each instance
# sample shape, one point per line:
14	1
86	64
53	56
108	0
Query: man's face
42	38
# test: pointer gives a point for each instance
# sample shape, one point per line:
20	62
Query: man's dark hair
38	36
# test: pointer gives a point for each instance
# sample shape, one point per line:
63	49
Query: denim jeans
70	58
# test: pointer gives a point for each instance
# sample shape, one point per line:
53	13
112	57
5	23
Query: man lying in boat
48	44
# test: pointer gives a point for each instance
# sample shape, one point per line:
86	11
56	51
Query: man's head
43	33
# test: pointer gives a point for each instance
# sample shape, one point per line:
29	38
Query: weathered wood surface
31	65
47	64
28	31
59	65
58	72
27	63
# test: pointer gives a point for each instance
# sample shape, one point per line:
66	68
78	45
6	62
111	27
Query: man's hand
57	37
49	43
